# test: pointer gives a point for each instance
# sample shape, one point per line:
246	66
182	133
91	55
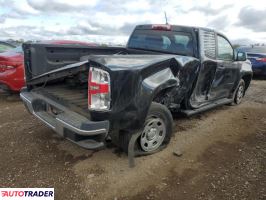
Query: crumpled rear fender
177	79
135	89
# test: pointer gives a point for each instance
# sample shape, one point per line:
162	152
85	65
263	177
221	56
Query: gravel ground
223	157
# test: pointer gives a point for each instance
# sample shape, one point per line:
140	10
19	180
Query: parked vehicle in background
92	94
5	46
257	57
12	65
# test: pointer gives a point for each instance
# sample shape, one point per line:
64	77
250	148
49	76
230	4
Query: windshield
5	47
164	41
17	50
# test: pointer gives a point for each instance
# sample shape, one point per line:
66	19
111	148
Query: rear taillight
99	90
261	59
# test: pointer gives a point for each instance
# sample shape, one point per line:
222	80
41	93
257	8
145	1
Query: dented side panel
133	89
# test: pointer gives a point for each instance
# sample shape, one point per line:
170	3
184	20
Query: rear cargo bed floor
68	95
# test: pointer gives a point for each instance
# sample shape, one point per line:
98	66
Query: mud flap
131	149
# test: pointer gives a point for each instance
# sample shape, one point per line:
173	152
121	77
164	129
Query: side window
209	44
225	50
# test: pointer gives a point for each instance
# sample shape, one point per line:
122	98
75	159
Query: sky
112	21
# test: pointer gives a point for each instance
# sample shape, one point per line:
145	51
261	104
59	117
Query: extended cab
93	94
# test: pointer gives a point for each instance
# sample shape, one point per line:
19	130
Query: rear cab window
174	42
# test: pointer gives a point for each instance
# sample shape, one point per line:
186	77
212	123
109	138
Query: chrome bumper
73	126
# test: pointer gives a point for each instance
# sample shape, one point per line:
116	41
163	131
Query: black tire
240	92
156	111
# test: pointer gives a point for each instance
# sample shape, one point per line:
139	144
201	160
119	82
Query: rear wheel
153	134
156	133
240	92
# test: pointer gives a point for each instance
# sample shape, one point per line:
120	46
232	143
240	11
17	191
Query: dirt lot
224	157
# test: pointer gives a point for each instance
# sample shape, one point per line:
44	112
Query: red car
12	66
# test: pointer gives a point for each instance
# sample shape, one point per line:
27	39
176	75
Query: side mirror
241	56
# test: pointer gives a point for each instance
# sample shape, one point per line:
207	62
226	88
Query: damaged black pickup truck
91	95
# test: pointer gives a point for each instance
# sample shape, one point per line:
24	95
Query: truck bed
42	58
71	97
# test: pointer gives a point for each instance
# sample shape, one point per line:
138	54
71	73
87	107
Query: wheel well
247	79
163	97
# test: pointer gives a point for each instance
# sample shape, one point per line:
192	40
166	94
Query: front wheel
240	92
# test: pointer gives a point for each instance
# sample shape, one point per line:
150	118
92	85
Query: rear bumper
71	125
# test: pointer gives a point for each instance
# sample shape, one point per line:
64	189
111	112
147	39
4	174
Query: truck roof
174	27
